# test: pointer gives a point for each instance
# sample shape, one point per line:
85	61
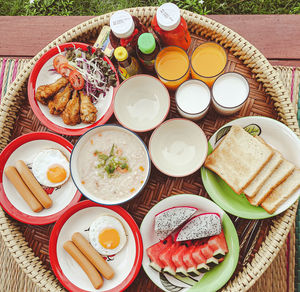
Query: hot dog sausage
33	184
22	189
94	257
84	263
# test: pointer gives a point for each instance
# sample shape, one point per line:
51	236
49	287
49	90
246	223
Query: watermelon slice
170	219
208	253
218	245
166	258
200	260
200	226
155	250
190	262
181	268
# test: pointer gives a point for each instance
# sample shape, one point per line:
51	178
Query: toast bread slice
285	190
252	189
238	158
277	177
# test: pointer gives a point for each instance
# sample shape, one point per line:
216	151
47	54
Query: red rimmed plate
126	263
25	148
43	73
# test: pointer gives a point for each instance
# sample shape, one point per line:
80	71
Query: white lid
168	16
122	25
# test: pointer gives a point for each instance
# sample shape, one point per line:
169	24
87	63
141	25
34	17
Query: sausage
14	177
84	263
33	184
94	257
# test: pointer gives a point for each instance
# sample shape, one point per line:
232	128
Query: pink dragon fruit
200	226
170	219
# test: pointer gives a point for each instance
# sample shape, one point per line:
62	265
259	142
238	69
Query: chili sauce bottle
127	65
147	50
171	27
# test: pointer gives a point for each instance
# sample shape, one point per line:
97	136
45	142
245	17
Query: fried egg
107	235
51	168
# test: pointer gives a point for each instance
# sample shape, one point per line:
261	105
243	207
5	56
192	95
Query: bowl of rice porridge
110	164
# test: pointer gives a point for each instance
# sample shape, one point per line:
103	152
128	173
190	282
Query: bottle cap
122	25
168	16
146	43
121	54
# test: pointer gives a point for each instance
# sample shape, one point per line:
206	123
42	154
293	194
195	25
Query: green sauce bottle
128	66
147	50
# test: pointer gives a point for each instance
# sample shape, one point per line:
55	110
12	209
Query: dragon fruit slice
155	250
170	219
200	226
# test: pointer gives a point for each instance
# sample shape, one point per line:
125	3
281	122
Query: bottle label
149	65
130	70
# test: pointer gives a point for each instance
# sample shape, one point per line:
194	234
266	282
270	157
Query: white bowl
122	187
141	103
178	147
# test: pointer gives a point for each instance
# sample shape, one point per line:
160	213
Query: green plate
278	136
213	279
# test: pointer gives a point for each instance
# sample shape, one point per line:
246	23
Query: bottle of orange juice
171	27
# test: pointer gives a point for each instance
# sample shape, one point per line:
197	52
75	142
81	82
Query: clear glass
172	66
208	61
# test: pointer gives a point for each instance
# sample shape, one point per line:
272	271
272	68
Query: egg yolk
56	174
109	238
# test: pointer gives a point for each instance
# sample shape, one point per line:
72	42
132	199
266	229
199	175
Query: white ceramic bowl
130	145
141	103
178	147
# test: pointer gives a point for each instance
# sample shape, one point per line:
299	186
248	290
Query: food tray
261	241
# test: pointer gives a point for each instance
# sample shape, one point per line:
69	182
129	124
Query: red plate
35	105
77	219
19	149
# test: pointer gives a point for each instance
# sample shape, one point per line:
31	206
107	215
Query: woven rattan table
274	92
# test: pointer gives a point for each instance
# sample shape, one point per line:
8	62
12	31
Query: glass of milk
229	93
193	99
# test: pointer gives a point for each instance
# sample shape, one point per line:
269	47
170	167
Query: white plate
215	278
126	264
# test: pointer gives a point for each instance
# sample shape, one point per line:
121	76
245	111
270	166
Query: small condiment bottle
147	50
125	30
171	27
128	65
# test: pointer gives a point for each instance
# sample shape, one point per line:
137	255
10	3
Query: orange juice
208	62
172	66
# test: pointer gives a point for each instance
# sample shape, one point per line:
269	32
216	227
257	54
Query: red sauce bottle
171	27
125	31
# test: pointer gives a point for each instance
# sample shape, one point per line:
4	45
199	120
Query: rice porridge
112	165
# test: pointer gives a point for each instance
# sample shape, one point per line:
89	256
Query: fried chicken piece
88	112
60	100
44	92
71	115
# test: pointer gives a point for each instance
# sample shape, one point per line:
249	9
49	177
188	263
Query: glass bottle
127	65
147	50
125	31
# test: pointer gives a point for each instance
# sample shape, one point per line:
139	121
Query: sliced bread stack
250	166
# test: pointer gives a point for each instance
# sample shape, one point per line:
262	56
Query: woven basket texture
262	240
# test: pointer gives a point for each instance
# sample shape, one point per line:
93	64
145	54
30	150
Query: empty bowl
142	102
178	147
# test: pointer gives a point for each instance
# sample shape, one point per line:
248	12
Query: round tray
260	240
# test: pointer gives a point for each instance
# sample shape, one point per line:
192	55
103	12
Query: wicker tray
260	240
